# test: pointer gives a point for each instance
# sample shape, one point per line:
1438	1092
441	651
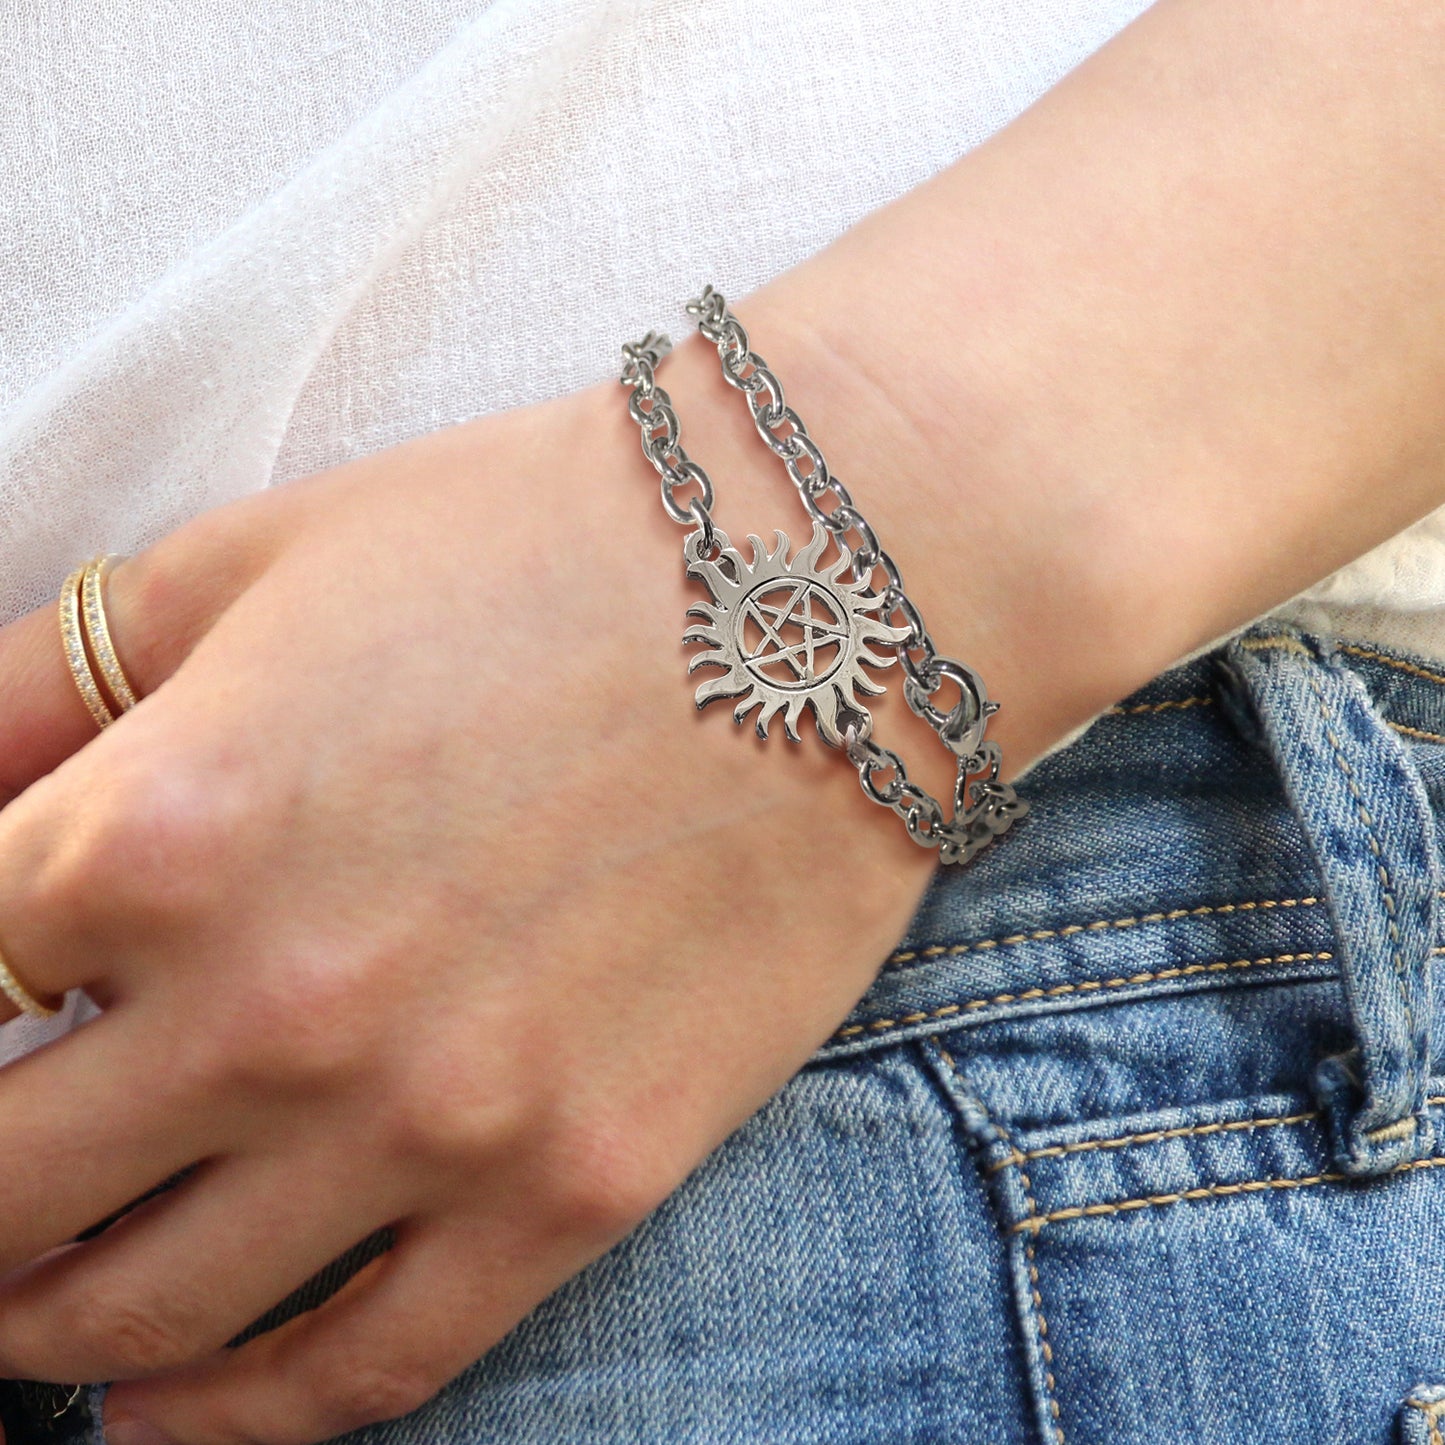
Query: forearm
1154	358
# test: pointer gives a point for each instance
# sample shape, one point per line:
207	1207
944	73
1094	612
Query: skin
417	812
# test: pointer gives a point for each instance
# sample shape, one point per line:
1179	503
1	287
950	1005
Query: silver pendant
786	634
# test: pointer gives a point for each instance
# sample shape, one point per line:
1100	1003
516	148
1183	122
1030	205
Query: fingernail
134	1432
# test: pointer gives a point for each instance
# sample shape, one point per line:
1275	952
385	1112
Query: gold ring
21	996
97	634
72	637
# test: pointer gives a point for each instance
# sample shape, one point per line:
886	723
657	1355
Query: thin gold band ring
89	647
72	638
97	633
21	996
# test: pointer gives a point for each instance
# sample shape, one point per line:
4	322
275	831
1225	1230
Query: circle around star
801	635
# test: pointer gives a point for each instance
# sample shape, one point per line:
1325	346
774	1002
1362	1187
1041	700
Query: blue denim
1136	1137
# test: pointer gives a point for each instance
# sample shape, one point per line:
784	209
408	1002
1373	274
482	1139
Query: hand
414	892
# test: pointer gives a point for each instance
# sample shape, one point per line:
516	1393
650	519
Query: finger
42	717
121	851
175	1279
92	1121
93	858
43	835
91	806
388	1341
159	604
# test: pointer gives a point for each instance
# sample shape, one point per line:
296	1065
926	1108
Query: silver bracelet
788	634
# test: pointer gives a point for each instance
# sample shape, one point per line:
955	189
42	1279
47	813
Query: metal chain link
983	807
961	726
651	408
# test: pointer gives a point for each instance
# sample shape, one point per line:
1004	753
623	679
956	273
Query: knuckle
149	846
187	580
367	1393
319	1018
142	1346
295	1030
151	585
604	1178
455	1110
130	1337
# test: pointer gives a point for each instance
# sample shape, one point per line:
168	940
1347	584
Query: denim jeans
1135	1138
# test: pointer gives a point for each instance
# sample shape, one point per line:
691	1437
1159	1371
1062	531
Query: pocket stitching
1035	1222
1090	985
1183	1131
1205	910
1394	662
1132	709
1041	1327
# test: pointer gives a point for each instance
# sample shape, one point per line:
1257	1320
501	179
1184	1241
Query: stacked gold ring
85	635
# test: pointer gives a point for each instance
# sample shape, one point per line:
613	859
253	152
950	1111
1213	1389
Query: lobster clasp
961	728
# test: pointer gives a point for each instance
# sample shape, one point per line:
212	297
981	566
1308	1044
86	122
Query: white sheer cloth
243	242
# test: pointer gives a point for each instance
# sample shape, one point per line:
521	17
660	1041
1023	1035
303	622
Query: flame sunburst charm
787	634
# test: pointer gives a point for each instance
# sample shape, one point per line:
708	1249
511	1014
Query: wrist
1105	401
711	790
1018	578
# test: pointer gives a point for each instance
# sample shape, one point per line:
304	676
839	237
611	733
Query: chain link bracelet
788	634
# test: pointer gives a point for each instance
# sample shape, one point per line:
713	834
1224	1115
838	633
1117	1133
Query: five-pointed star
814	629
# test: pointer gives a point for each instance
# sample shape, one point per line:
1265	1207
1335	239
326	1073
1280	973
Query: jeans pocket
1185	1018
1210	1256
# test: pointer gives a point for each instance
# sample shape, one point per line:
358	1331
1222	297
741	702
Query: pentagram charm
786	634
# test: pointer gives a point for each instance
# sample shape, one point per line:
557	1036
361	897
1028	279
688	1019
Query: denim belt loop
1365	812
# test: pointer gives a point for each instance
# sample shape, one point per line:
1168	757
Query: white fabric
246	241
